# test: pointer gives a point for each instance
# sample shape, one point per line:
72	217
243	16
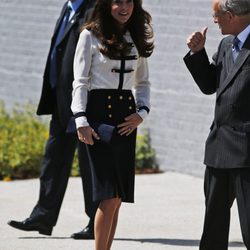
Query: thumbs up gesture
196	41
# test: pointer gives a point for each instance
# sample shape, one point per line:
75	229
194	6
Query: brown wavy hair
104	27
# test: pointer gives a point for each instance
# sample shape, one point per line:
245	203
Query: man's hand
196	41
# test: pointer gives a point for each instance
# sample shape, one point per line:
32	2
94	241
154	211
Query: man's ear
230	15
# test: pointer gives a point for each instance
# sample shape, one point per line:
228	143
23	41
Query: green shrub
22	140
75	167
145	154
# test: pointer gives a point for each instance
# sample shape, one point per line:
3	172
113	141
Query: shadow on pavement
176	242
236	244
163	241
44	237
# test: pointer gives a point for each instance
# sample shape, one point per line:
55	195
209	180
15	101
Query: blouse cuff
81	122
142	113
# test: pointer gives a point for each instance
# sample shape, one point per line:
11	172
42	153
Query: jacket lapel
241	58
59	21
228	59
68	28
72	21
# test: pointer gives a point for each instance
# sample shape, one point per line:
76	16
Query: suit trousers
55	171
221	187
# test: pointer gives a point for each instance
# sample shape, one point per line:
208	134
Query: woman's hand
86	134
131	123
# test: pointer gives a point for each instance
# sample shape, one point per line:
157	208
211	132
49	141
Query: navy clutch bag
105	131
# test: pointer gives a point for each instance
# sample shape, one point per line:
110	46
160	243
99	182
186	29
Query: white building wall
180	115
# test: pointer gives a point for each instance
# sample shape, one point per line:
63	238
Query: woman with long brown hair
110	61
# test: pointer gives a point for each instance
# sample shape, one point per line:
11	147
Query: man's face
222	18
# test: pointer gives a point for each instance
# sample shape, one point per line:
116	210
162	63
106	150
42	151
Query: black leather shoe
31	225
86	234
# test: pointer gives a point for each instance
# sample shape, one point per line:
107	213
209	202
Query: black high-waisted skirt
112	164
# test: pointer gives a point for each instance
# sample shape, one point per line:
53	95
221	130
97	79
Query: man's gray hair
236	7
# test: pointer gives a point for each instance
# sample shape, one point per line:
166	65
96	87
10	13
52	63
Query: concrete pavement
167	214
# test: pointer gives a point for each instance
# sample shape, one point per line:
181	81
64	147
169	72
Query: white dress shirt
93	70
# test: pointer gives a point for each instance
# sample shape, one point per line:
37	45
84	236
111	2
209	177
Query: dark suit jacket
58	101
228	143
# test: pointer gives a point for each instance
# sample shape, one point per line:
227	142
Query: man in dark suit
227	154
62	142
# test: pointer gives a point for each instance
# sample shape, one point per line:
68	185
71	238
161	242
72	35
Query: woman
110	60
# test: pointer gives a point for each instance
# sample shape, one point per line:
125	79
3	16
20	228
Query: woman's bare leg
104	222
113	228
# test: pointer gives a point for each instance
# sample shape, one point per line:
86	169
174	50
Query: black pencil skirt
112	164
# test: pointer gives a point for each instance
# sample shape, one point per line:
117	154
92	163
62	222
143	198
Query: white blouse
93	70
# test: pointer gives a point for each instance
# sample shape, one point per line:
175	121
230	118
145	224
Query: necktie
53	62
235	48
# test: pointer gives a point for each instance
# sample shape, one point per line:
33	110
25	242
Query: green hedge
145	154
22	140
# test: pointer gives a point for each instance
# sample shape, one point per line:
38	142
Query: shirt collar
242	36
